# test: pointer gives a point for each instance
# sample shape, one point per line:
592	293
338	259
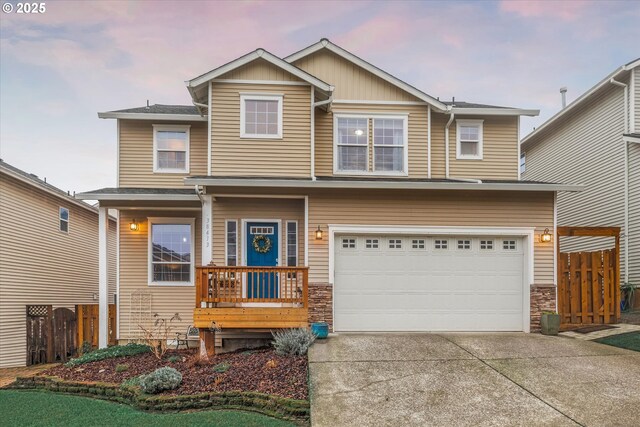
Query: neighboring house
48	255
595	142
407	210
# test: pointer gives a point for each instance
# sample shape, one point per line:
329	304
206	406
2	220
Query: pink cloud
563	10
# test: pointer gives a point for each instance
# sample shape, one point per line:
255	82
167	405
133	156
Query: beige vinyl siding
259	70
229	208
235	156
430	208
351	82
585	148
134	273
634	212
136	155
418	124
499	146
39	264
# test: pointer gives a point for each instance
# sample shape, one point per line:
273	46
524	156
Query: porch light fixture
133	226
319	234
545	237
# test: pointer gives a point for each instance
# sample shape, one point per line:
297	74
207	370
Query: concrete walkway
505	379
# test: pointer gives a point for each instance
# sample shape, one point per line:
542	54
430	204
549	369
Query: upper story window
523	162
63	214
171	148
469	139
354	143
260	116
389	145
171	251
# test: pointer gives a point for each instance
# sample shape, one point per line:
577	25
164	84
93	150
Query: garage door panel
428	289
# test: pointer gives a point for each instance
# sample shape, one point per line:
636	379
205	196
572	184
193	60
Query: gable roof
326	44
34	181
156	112
196	83
532	137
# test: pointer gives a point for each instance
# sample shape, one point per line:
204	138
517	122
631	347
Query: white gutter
380	185
496	111
446	144
626	176
137	197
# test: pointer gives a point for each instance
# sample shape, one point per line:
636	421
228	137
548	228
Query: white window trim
405	146
170	220
480	124
226	241
68	220
287	243
260	97
370	144
336	165
183	128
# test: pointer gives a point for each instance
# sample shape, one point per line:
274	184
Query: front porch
254	298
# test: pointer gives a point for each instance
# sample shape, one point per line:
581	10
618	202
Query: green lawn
36	408
629	340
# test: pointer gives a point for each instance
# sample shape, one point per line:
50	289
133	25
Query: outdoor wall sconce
545	237
319	234
134	226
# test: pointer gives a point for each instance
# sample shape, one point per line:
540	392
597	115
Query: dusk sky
59	68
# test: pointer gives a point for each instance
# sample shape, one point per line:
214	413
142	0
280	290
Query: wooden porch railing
223	285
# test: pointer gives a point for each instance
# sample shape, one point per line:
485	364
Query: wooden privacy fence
589	282
88	323
51	334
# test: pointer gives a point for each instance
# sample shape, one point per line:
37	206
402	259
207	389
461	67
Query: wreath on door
261	244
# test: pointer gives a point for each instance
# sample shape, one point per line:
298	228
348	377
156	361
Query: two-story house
595	141
48	257
318	187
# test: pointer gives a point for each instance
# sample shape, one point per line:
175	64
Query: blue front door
262	251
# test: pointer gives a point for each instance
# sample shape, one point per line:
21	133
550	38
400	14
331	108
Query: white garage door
428	283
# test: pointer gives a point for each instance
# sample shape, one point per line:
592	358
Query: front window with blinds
171	148
292	243
171	250
469	139
352	143
261	116
232	243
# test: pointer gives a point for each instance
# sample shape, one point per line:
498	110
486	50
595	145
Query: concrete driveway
472	379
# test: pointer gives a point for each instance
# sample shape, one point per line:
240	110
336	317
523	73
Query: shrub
221	368
130	349
133	381
160	380
120	367
86	347
293	341
174	359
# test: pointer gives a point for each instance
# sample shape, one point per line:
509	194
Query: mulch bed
260	370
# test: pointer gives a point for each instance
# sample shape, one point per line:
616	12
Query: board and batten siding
39	264
233	208
351	82
259	69
418	124
261	157
430	208
585	148
134	275
136	155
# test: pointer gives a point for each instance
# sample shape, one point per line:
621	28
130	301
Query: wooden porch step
251	317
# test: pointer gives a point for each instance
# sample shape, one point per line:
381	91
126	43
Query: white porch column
103	277
207	229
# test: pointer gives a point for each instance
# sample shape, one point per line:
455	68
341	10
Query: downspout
446	143
209	127
313	128
446	154
626	177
